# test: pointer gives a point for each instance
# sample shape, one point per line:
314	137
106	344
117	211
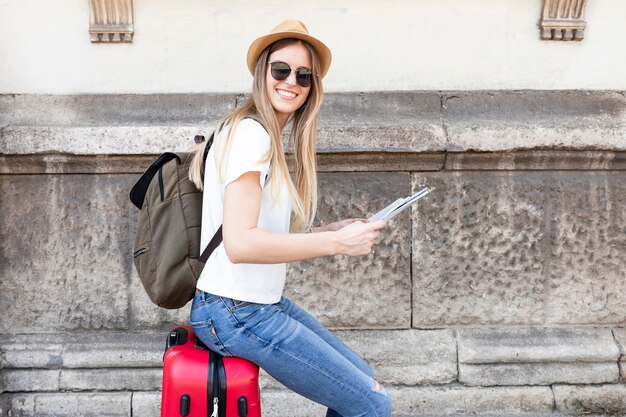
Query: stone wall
503	292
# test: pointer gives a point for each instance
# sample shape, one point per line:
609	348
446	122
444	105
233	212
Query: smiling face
287	96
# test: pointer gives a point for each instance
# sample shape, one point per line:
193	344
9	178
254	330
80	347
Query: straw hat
289	29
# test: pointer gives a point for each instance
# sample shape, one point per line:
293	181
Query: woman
239	309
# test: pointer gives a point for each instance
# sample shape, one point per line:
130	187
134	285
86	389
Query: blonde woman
239	309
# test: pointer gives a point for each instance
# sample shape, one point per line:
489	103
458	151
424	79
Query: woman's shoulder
251	125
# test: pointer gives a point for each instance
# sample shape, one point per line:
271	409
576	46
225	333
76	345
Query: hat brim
257	47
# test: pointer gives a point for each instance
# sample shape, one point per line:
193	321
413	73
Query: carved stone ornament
111	21
563	20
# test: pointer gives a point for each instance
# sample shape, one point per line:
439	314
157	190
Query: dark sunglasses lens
280	71
304	78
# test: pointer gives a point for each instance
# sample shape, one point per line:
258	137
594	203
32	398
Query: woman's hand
356	238
333	227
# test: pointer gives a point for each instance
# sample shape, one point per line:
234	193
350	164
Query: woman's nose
291	79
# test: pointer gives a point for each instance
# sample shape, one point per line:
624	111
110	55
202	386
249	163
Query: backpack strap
138	192
213	244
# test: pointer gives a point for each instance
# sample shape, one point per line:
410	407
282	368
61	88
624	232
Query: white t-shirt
258	283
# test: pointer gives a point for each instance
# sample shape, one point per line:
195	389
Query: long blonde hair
303	194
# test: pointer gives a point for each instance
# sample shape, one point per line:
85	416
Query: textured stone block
31	351
620	339
536	345
67	404
82	230
146	404
100	140
453	400
407	357
29	380
7	103
478	249
537	356
538	374
368	291
120	379
393	121
587	265
605	400
119	109
64	262
114	350
495	121
284	403
82	350
520	248
402	357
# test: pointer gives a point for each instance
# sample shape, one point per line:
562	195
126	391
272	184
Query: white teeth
287	94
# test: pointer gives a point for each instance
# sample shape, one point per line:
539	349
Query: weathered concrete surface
448	400
110	404
609	400
63	260
389	121
537	356
478	251
620	339
119	360
538	374
363	292
493	121
429	401
496	248
82	350
82	229
407	401
354	122
400	357
131	379
407	357
587	266
536	345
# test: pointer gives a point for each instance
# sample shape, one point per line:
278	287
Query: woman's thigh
291	353
301	315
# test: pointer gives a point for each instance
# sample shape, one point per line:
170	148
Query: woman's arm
245	243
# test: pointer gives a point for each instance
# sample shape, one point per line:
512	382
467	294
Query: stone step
113	361
452	400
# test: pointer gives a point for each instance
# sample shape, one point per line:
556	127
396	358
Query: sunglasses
281	70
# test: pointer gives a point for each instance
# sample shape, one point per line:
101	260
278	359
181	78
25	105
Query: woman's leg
290	352
298	313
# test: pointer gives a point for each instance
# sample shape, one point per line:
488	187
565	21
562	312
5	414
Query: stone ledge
538	374
67	404
352	122
540	160
591	400
133	361
81	350
533	345
537	356
505	120
408	401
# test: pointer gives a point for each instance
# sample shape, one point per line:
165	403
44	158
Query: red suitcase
199	382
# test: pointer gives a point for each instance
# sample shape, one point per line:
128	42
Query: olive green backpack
167	241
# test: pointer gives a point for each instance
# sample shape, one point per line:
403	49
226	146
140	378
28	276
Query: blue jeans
295	349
